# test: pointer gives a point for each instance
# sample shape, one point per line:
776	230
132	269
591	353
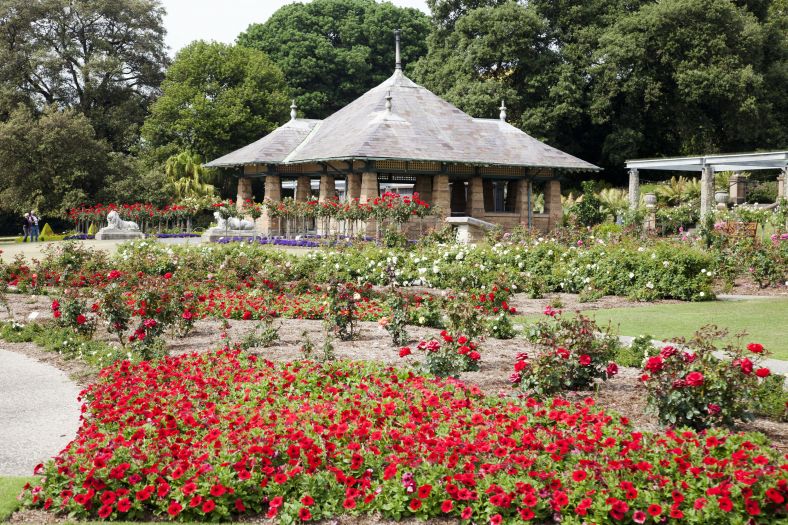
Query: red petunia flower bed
215	435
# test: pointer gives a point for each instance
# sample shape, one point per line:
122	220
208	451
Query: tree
187	177
685	77
492	54
215	98
103	58
333	51
51	163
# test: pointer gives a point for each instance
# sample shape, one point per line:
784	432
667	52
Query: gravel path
39	413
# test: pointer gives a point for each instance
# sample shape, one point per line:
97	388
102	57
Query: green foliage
264	334
187	177
637	352
588	210
215	98
500	326
695	388
772	398
396	324
332	51
340	313
683	216
448	356
462	316
763	193
679	190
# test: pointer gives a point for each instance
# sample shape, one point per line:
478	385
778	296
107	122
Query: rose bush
688	385
448	356
220	435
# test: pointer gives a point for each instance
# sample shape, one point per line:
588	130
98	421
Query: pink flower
713	409
639	516
612	369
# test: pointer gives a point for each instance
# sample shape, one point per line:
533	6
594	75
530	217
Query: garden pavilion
708	165
400	132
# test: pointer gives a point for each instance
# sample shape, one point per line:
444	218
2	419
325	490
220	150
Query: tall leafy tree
685	77
51	163
332	51
216	98
102	58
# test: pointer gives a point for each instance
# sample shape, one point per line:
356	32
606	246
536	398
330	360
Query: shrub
588	212
772	397
340	313
264	334
72	312
500	326
690	386
449	356
637	352
763	193
572	356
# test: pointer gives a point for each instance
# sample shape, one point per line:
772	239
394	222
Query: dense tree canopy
611	79
332	51
50	163
216	98
102	58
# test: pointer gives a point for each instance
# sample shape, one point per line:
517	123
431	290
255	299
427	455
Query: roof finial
293	110
398	62
388	102
503	111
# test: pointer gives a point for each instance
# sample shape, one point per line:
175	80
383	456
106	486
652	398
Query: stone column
475	207
244	192
370	189
273	193
552	201
423	187
782	185
634	189
523	204
440	195
327	188
353	189
706	191
303	188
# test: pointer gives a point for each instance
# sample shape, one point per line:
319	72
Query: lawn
10	487
765	320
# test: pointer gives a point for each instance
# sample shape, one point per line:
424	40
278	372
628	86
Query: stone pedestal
273	192
782	185
552	202
114	234
469	229
244	192
634	189
650	222
440	195
215	234
738	192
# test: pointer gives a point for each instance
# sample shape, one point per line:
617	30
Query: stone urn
650	199
721	198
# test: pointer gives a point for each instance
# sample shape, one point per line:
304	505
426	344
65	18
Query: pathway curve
39	413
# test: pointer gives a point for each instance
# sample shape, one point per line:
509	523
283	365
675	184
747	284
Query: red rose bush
222	434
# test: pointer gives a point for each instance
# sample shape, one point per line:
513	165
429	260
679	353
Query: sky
222	20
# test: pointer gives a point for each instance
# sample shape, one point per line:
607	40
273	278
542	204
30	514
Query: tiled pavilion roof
401	120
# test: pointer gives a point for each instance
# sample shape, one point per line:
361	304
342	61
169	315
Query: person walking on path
33	227
26	226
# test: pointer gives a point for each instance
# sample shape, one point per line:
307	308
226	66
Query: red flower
694	379
725	504
105	511
218	490
585	360
304	514
404	351
239	505
654	510
424	491
307	501
415	504
81	319
755	348
447	505
208	506
762	372
466	513
349	503
174	509
612	369
713	409
579	475
753	509
526	514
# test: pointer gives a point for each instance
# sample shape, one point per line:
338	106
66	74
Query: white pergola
708	165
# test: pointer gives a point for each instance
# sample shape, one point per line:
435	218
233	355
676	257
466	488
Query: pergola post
523	204
782	185
634	189
370	189
706	191
273	193
552	201
423	187
328	188
244	192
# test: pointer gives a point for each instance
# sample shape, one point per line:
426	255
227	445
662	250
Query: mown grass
10	487
764	320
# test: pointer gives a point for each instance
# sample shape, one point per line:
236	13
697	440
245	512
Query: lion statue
233	223
115	222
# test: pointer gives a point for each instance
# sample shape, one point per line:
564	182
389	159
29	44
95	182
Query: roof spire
388	102
293	110
398	62
502	115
